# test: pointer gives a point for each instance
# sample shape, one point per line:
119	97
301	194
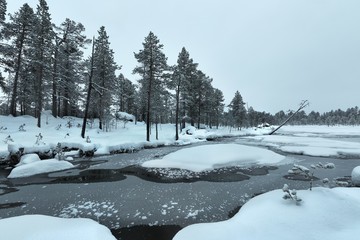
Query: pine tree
41	55
2	46
214	107
237	110
183	73
19	30
104	77
125	94
3	7
152	69
67	67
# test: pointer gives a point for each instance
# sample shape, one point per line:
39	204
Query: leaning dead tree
303	105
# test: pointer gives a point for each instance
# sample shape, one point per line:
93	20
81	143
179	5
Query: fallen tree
303	105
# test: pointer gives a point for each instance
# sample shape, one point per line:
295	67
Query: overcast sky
275	52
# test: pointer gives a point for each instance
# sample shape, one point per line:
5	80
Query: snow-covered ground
21	133
330	214
18	132
319	141
208	157
40	227
267	216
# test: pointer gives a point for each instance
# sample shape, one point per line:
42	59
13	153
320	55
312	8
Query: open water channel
136	204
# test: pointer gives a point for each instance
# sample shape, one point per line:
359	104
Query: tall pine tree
153	65
104	77
41	55
67	67
183	73
19	30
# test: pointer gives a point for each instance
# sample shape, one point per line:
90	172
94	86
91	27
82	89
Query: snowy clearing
22	132
40	227
324	213
209	157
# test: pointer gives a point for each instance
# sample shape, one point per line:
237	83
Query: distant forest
43	67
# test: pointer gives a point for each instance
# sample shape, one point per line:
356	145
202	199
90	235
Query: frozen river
137	206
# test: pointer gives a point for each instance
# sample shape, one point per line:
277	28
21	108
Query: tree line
46	68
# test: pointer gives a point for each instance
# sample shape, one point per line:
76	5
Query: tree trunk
16	78
303	104
54	105
88	97
148	119
177	113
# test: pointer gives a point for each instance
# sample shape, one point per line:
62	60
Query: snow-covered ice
208	157
330	214
40	227
312	146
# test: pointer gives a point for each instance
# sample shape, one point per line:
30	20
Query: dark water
139	204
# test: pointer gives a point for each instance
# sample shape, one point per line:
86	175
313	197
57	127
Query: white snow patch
312	146
208	157
28	158
37	167
355	176
330	214
40	227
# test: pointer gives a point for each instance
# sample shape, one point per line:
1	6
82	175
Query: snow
40	227
311	146
355	176
37	167
330	214
28	158
119	138
209	157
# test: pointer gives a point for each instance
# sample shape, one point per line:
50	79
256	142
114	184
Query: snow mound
40	227
355	176
28	158
330	214
38	167
209	157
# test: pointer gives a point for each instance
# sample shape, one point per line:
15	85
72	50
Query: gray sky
275	52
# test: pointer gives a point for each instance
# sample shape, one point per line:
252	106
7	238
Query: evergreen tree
125	94
19	30
41	51
2	46
67	67
237	110
3	6
104	77
182	75
151	69
215	107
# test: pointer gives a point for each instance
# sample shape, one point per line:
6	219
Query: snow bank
120	138
311	146
208	157
40	227
355	176
28	158
330	214
38	167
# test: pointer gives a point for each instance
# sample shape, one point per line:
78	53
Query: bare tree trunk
89	92
303	104
177	113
